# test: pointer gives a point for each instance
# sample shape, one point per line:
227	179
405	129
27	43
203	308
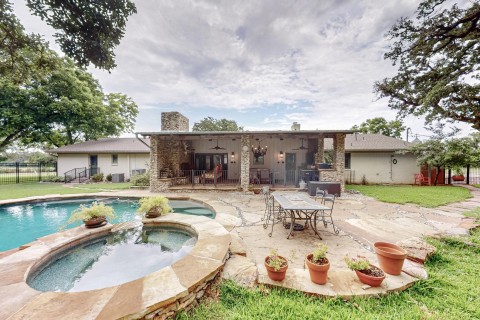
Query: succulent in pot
93	216
154	206
318	264
276	266
366	272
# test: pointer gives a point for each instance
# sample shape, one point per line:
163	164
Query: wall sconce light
280	157
232	158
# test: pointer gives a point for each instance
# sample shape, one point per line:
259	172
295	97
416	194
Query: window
114	159
348	158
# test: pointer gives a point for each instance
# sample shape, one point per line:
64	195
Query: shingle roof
107	145
371	142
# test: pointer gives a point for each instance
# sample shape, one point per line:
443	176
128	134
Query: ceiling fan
217	147
301	147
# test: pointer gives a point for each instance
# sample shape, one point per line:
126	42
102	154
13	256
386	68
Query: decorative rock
200	294
418	250
415	269
241	270
237	246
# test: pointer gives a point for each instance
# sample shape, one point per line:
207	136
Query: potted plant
255	189
318	264
93	216
458	175
390	257
276	266
366	272
154	206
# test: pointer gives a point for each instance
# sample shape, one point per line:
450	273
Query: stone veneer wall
320	155
191	300
164	156
245	162
338	172
174	121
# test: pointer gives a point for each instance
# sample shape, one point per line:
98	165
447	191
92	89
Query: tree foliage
88	31
437	54
211	124
392	128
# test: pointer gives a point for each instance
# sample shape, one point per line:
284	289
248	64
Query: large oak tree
438	58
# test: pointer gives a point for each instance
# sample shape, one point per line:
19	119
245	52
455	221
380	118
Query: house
127	156
178	157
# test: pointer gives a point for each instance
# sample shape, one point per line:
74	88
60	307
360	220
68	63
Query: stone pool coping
134	299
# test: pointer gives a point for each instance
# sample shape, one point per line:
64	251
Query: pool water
114	259
23	223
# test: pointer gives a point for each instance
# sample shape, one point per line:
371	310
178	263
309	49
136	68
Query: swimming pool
23	223
114	259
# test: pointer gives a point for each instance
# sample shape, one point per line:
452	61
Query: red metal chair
420	179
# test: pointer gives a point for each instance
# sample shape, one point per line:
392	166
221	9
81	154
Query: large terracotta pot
318	272
153	213
458	177
368	279
390	257
278	275
95	222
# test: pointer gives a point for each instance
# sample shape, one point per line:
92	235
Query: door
290	168
93	164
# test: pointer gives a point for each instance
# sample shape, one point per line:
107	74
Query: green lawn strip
452	291
15	191
475	213
476	185
103	186
424	196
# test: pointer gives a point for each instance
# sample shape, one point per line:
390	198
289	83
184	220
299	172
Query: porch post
339	158
320	155
154	165
245	162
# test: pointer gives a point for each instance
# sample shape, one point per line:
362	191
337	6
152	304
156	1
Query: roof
106	145
371	142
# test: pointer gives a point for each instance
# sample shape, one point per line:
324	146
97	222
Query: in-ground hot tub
112	259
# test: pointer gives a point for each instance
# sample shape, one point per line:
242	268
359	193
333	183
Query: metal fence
16	172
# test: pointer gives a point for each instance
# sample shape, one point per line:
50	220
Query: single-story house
177	156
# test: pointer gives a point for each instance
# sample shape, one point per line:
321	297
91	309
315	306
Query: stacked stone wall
174	121
245	162
337	173
164	162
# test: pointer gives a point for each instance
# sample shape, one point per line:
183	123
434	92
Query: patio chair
328	201
421	179
319	193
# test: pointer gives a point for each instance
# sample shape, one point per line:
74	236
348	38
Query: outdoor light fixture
232	157
259	151
280	157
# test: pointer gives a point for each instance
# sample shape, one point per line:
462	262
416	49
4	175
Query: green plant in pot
276	266
154	206
458	174
366	272
318	264
93	216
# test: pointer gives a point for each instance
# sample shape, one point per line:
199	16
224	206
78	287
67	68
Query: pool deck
362	221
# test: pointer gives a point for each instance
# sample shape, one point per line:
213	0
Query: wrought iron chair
273	212
328	201
319	193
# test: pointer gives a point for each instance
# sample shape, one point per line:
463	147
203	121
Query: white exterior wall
126	163
378	167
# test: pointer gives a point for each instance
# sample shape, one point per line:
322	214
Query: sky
264	64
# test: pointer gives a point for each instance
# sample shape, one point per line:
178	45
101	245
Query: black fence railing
80	174
17	172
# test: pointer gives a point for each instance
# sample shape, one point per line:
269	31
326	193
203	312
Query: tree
393	128
87	31
211	124
64	107
437	56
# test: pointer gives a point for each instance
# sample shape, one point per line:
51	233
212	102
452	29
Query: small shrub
97	177
109	177
320	252
141	179
358	263
275	261
364	180
54	179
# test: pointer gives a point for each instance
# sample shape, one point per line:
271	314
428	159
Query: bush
109	177
141	179
54	179
97	177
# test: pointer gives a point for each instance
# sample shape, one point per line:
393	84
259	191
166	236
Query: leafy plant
320	252
357	263
109	177
97	177
160	203
88	212
141	179
275	261
458	171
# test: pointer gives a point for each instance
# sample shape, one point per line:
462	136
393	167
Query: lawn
452	291
14	191
424	196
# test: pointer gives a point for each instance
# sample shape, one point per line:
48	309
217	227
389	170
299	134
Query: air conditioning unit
138	171
118	177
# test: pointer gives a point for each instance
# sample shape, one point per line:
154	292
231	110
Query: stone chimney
174	121
295	126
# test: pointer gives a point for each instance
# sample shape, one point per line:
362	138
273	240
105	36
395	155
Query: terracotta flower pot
458	177
318	272
95	222
368	279
390	257
153	213
278	275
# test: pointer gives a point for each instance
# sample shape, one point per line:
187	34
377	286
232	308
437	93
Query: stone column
245	162
320	155
154	165
339	158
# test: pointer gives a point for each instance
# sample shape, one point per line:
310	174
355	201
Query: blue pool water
23	223
114	259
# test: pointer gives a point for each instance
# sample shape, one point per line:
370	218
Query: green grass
476	185
15	191
424	196
452	291
475	213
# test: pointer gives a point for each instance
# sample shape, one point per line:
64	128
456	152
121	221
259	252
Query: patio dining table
299	206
